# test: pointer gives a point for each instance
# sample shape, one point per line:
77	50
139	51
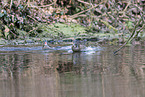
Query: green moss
69	29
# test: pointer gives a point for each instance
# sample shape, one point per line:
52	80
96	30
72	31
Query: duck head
46	46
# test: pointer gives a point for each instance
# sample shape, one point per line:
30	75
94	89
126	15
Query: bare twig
32	18
84	2
43	5
35	21
76	15
126	6
11	4
105	23
32	30
100	20
143	27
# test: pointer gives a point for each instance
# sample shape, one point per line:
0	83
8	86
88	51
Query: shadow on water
60	73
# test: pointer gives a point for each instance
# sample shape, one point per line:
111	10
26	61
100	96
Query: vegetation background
123	20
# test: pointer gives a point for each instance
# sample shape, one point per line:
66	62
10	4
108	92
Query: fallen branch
108	25
76	15
102	21
133	35
35	21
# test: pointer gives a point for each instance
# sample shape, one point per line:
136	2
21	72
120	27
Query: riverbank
31	23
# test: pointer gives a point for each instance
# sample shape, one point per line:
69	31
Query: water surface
34	72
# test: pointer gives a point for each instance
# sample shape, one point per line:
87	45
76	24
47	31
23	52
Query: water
34	72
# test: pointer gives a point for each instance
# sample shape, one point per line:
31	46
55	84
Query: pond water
34	72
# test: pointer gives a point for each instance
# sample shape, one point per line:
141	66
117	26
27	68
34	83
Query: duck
46	46
78	46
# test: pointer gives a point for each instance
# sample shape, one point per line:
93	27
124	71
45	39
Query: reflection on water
85	74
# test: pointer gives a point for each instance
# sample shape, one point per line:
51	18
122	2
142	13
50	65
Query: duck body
78	47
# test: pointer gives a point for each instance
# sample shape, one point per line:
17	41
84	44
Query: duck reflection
76	58
72	65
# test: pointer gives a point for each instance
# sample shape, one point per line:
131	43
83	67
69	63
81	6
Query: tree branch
76	15
133	35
